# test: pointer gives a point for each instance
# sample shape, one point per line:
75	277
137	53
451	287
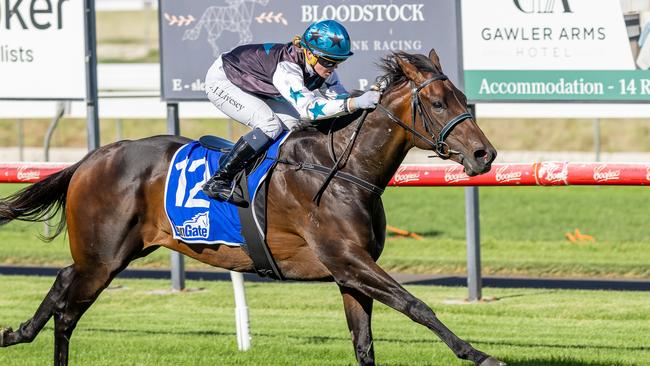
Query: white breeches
268	115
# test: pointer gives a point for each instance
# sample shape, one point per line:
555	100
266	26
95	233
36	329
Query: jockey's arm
333	89
312	105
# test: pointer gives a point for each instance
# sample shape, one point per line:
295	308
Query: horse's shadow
325	339
547	362
564	361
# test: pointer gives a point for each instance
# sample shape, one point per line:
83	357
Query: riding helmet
327	38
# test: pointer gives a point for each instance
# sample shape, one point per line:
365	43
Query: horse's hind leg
30	329
358	312
88	282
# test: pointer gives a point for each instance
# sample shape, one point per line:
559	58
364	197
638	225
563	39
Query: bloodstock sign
194	33
564	50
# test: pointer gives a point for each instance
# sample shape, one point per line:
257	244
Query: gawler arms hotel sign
42	49
194	33
548	50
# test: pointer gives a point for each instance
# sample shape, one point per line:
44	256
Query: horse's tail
41	201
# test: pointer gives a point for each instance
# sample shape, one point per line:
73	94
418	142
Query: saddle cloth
196	218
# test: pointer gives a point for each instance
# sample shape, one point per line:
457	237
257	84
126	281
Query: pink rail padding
546	173
28	172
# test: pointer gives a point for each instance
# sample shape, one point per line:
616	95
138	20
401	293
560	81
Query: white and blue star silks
194	217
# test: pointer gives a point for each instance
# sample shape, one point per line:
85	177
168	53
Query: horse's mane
393	72
394	77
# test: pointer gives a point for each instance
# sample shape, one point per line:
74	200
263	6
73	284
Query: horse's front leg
352	267
358	312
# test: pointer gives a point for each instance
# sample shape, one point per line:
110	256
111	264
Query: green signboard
565	51
558	85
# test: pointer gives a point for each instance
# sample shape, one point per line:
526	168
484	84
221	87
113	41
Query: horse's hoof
4	331
491	361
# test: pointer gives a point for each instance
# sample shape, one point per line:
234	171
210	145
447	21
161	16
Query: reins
438	145
346	154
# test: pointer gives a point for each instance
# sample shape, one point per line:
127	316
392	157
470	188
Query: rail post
92	106
473	231
474	280
177	260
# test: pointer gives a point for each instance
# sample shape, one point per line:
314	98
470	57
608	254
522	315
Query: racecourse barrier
546	173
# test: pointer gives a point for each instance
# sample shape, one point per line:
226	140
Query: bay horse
113	203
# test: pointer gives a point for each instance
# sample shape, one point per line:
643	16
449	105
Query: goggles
327	63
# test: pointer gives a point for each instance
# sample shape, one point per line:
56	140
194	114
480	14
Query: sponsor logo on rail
403	175
25	174
552	173
504	176
454	174
603	174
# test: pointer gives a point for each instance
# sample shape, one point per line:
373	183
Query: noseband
439	145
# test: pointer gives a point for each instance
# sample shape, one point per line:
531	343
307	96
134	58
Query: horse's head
435	111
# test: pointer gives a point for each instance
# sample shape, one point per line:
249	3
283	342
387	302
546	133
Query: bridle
437	144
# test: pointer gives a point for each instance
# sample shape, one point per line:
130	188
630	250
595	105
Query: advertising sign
565	50
195	33
42	49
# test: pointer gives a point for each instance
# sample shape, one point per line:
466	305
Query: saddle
256	246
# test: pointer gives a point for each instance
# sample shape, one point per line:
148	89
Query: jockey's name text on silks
227	98
34	14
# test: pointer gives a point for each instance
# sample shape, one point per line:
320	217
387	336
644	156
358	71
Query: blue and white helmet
327	38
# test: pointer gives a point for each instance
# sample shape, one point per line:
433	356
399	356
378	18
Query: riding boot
221	186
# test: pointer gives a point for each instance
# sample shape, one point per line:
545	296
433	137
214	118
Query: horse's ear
433	56
409	70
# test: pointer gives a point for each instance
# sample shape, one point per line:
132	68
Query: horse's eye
438	105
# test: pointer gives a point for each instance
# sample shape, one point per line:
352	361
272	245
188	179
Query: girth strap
256	246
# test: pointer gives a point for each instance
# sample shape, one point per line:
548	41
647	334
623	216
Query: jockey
271	87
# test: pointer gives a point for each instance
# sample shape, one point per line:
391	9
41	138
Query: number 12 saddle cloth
196	218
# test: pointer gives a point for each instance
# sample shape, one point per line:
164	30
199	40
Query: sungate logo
198	227
542	6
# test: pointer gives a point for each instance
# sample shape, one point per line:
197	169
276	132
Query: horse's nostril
481	155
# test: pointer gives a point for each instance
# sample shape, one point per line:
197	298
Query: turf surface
303	324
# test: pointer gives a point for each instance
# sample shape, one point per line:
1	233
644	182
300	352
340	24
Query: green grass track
304	324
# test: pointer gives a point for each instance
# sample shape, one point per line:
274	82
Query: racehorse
113	203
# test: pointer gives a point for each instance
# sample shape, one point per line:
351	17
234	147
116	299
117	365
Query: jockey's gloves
367	100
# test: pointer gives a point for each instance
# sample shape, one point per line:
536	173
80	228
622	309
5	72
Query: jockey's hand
367	100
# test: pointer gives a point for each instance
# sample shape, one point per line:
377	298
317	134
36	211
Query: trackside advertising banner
42	49
564	50
194	33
